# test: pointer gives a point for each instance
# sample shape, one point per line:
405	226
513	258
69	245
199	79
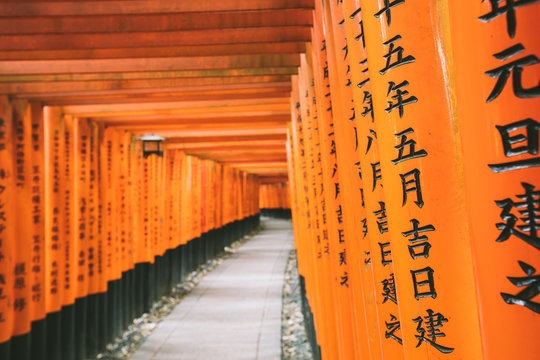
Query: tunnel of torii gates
402	135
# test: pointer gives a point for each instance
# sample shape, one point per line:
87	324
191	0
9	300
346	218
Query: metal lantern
152	144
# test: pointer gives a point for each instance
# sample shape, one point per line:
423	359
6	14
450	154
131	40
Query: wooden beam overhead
220	138
89	86
154	39
212	77
84	8
154	22
274	47
170	64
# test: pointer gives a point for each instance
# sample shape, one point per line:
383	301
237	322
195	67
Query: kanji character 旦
515	68
531	283
508	9
429	329
518	144
529	209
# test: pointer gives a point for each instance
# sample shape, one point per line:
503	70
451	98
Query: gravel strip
294	341
143	326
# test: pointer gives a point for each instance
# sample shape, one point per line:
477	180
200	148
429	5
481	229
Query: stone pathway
235	311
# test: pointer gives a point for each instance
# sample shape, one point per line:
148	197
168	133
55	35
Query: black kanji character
420	245
376	168
345	279
528	145
370	140
532	289
529	209
509	9
364	71
381	218
410	185
433	323
361	35
389	289
385	254
387	9
515	67
410	144
401	101
392	326
429	282
368	108
343	258
399	54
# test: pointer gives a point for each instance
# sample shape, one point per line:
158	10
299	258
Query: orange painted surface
406	64
7	221
498	126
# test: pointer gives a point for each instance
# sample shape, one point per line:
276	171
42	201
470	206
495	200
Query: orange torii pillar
435	133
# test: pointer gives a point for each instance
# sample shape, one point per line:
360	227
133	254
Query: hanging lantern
152	144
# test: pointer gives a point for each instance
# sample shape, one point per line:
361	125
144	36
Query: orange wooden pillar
7	220
315	183
351	184
374	197
347	326
21	271
410	76
496	71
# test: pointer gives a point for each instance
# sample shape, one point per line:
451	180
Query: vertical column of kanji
21	271
120	209
129	146
7	219
184	212
375	203
93	210
351	186
169	200
178	189
145	254
114	189
303	230
316	189
81	185
139	200
105	251
309	244
197	204
293	176
152	206
69	275
410	77
347	322
37	157
162	202
496	54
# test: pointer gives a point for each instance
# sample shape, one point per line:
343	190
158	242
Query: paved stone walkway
235	311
